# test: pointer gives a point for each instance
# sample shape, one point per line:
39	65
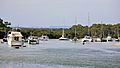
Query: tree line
95	30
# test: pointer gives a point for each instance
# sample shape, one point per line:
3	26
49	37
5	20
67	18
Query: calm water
61	54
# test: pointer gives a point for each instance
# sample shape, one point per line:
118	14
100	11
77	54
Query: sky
36	13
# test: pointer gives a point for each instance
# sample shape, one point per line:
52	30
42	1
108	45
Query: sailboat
118	38
109	38
87	38
63	38
75	38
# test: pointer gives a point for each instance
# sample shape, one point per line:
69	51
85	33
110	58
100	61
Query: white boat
75	39
44	38
14	39
87	39
98	40
33	40
63	38
109	38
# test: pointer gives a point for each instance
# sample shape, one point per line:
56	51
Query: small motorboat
44	38
87	39
33	40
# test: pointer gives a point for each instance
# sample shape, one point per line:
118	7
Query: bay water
61	54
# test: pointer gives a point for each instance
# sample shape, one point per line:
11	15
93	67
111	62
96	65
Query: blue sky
35	13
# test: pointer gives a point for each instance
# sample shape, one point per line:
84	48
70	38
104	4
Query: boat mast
88	24
118	31
75	26
101	30
63	33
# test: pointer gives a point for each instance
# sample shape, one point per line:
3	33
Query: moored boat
87	39
63	37
109	38
44	38
15	39
33	40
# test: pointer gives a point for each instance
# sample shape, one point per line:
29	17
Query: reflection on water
61	54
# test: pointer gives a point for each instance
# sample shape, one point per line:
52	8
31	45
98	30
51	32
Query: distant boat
15	39
87	39
75	38
109	38
118	38
4	39
63	38
44	38
33	40
98	40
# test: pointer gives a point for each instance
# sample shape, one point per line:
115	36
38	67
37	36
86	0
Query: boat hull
15	43
33	41
63	38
